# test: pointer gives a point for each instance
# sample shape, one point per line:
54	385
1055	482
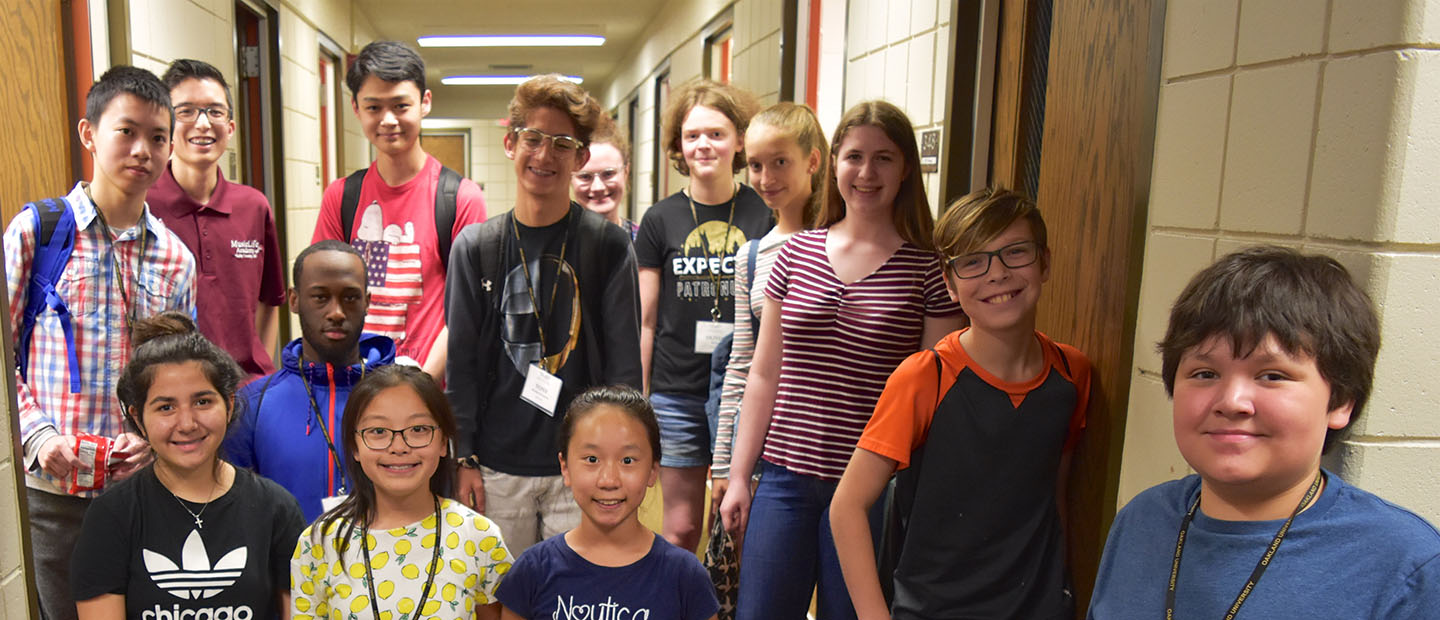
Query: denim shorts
684	429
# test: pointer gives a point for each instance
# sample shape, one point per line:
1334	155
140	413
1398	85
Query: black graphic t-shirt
671	240
137	541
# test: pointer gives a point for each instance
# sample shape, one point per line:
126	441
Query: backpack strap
750	277
54	242
265	387
350	203
447	193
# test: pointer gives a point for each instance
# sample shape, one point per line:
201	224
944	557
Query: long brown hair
912	208
357	511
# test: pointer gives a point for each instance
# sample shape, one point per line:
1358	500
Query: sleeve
467	314
327	224
492	559
239	445
35	424
469	206
937	298
621	304
1417	597
742	351
697	590
778	284
1080	375
287	524
650	239
517	590
906	407
101	562
272	278
307	594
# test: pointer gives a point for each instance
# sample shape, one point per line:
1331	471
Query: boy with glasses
401	212
981	429
542	305
228	227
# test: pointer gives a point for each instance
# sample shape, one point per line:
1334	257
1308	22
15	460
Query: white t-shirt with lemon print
473	558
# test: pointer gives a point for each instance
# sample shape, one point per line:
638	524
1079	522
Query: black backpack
446	193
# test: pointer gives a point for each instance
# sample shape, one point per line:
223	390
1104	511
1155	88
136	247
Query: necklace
199	523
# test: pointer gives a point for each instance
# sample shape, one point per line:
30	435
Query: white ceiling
621	22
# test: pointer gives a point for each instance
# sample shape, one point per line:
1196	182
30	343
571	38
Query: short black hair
327	245
1309	303
191	69
391	61
122	79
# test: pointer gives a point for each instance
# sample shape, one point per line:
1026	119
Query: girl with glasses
600	185
845	304
394	547
192	534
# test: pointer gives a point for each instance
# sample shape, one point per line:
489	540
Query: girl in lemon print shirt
395	549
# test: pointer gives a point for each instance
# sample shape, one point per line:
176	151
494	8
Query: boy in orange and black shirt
1000	407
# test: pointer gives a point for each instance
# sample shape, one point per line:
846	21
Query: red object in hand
93	450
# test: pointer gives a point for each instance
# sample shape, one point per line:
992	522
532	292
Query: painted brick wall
1310	124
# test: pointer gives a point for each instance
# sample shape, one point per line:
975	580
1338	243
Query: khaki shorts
528	509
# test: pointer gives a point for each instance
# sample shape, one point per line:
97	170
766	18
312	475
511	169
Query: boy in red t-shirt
394	221
1000	406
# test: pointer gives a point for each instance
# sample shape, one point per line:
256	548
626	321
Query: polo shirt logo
245	249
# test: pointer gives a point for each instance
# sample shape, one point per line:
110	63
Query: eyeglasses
976	264
533	139
189	113
381	438
607	175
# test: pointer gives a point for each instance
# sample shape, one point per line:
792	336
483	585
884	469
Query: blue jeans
685	438
789	550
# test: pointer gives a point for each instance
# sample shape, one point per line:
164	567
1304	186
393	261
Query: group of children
911	430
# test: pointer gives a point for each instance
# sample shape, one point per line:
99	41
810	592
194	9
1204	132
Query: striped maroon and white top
840	343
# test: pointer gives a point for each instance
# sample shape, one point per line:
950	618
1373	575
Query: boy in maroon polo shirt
394	220
227	226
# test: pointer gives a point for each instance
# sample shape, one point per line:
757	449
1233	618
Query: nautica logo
195	578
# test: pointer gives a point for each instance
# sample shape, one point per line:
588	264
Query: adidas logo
195	578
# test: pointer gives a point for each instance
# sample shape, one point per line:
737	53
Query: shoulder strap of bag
447	193
350	202
54	242
750	277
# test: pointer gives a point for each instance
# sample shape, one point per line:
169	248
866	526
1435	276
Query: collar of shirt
85	212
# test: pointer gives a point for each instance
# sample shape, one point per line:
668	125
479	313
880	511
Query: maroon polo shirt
237	258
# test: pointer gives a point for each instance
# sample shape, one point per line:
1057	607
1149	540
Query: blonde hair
972	220
797	123
552	91
912	208
737	104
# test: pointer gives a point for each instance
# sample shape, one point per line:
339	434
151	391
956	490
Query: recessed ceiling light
513	40
497	80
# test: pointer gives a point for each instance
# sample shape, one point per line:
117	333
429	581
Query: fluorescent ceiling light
497	80
513	40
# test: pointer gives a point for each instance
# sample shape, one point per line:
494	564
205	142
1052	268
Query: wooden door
449	148
36	137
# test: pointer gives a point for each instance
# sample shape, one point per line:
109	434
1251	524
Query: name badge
542	389
710	333
329	503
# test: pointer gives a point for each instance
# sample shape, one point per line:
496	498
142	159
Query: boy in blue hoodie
288	421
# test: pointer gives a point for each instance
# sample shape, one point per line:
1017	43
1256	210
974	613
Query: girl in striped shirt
844	305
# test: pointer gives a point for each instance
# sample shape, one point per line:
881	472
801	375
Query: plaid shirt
92	290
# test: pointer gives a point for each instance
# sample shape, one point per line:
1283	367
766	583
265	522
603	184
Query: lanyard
324	431
129	300
714	277
1259	567
430	570
550	365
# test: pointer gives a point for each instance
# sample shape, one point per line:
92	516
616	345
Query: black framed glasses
587	177
976	264
532	139
381	438
189	113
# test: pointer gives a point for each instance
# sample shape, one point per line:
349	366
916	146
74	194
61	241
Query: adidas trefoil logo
195	578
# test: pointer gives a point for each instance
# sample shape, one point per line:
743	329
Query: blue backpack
720	357
54	241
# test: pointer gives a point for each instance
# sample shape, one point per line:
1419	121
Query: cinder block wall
1311	124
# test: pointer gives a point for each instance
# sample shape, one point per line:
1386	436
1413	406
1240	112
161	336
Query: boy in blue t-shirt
1269	357
980	429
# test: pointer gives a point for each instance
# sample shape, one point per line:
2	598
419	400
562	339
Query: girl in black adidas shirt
191	535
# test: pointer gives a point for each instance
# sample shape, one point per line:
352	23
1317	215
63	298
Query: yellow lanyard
714	277
530	285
